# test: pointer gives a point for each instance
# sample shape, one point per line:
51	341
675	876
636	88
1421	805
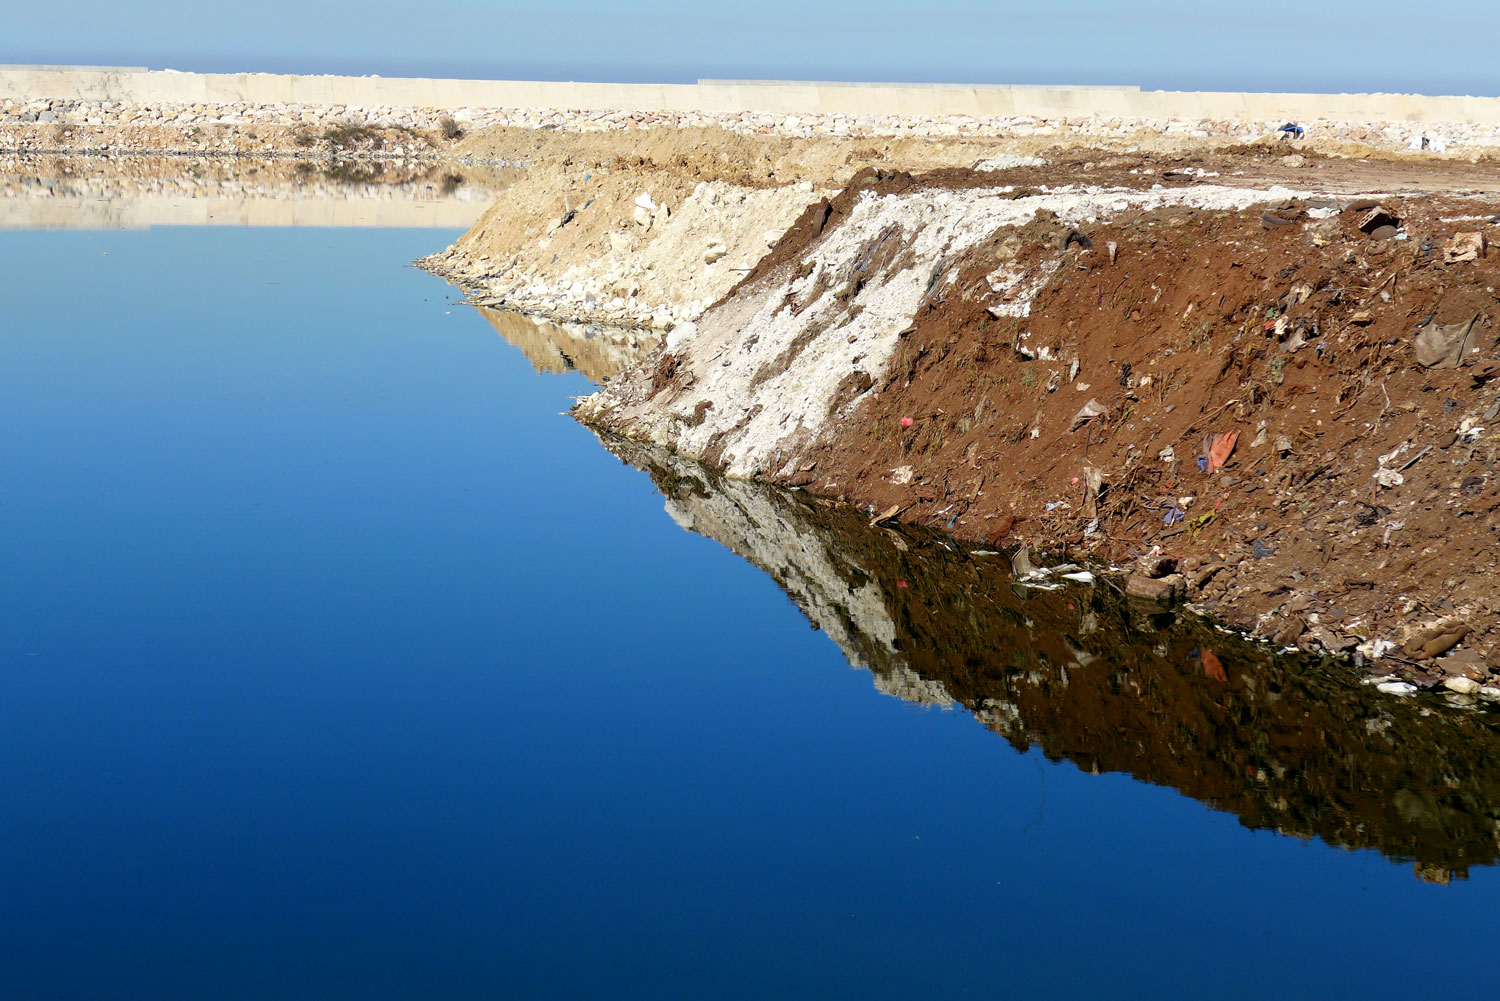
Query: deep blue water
335	662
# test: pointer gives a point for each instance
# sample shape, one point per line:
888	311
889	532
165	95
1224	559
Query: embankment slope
936	346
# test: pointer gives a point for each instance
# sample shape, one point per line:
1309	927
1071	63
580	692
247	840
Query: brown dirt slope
1299	338
1360	502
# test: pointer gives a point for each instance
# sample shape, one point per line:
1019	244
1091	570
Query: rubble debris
1379	218
1444	345
1463	247
1435	640
1157	565
1164	590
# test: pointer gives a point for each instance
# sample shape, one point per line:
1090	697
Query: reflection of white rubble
747	520
909	686
1003	717
598	352
115	198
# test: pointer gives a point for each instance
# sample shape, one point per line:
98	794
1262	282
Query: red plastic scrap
1220	450
1213	667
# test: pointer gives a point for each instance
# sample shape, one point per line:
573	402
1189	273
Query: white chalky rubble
1394	135
772	370
663	266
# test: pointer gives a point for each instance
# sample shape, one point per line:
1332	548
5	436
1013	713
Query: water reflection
1291	745
597	351
54	191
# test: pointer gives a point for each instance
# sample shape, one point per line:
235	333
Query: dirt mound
571	242
1050	367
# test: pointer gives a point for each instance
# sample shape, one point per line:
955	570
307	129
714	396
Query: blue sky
1442	46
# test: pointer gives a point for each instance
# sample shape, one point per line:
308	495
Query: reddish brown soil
1202	308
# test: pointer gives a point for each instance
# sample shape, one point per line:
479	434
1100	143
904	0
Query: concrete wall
130	85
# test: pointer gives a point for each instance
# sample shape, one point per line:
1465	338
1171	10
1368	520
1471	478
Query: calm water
336	663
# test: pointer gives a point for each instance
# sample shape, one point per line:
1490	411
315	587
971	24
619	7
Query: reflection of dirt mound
1285	744
598	352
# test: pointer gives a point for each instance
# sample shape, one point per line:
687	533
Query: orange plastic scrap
1212	667
1219	451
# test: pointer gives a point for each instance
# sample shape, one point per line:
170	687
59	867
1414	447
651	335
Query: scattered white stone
1006	161
681	334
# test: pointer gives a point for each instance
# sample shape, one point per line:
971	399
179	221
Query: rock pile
1391	135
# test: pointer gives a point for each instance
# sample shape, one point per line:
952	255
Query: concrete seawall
145	86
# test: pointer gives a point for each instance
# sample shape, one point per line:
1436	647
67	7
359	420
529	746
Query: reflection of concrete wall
140	212
144	211
597	352
29	83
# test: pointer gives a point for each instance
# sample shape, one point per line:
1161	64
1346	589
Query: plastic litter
1221	449
1093	408
1443	345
